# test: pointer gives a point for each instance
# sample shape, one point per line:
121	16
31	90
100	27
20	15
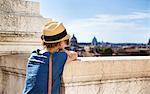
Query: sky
115	21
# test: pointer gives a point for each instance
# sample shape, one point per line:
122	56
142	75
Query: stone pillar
20	26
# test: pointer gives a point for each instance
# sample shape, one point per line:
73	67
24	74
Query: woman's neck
51	50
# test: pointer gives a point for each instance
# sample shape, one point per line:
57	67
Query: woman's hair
52	45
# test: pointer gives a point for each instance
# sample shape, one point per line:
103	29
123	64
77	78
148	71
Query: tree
104	51
108	51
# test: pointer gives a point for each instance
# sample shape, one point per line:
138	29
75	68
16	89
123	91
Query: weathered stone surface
106	68
20	15
127	86
105	75
20	26
19	7
19	42
12	73
21	23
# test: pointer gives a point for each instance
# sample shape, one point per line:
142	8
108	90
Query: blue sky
107	20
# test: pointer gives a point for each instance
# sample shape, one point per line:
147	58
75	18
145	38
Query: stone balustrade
87	75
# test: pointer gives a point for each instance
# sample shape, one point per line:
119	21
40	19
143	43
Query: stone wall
107	75
20	26
20	15
12	73
103	75
20	30
19	7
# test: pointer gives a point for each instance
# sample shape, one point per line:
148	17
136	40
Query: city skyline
116	21
103	41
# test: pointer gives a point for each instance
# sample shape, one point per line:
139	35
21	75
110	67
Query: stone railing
107	75
88	75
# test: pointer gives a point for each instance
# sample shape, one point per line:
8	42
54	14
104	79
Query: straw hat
54	32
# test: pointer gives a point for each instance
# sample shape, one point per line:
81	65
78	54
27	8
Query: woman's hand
71	56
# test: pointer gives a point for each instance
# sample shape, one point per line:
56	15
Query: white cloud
134	27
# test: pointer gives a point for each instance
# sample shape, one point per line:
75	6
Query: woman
45	66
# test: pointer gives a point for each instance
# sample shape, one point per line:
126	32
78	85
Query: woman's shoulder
67	55
60	55
38	56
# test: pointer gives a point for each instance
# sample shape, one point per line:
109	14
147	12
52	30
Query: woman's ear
59	47
59	44
67	42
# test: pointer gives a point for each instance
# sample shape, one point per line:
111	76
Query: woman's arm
72	56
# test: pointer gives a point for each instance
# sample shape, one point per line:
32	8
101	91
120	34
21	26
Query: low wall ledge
91	69
113	58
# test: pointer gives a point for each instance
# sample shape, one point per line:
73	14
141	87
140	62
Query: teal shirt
37	72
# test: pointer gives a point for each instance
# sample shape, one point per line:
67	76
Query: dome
94	41
73	41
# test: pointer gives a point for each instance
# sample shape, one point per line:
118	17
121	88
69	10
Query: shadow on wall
12	73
